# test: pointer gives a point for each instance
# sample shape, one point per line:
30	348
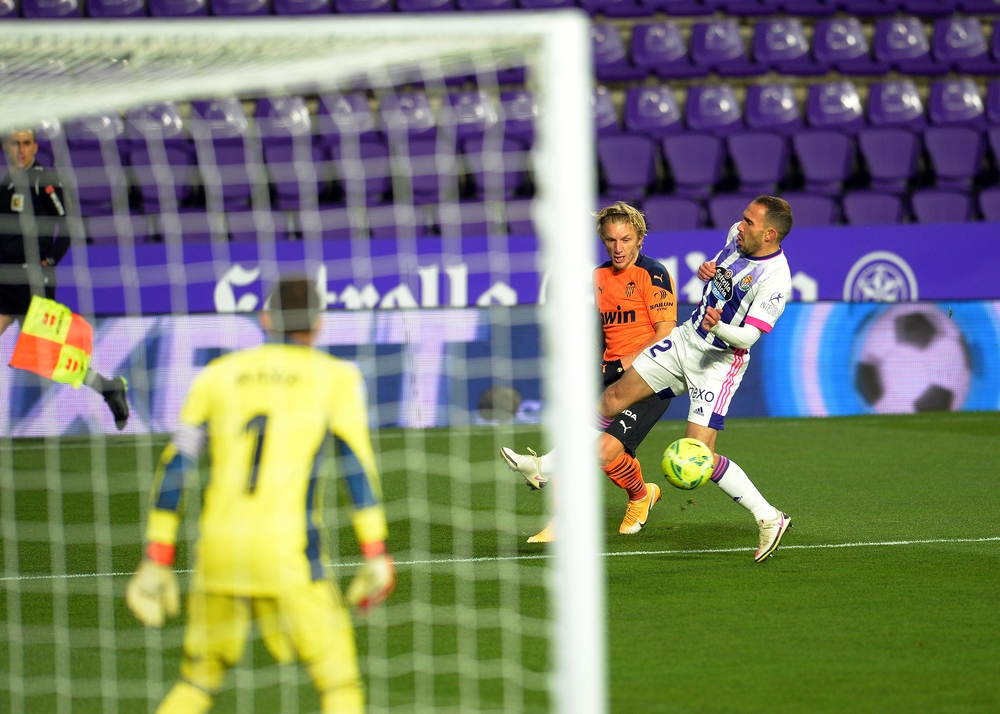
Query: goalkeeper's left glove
152	593
375	580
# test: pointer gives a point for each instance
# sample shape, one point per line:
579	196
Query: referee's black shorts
631	425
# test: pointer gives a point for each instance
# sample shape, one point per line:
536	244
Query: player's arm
662	314
376	578
152	593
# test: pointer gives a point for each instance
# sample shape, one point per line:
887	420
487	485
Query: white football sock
735	483
547	462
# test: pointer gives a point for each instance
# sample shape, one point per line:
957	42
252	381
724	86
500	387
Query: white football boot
528	466
770	535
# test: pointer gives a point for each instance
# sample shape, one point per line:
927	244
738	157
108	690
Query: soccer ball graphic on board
912	358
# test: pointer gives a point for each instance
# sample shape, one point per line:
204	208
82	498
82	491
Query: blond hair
621	212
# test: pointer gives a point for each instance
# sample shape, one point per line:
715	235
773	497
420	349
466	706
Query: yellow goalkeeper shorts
310	623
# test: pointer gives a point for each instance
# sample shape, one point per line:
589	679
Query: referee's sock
735	483
95	381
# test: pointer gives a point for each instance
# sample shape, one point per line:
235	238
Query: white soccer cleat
770	535
528	466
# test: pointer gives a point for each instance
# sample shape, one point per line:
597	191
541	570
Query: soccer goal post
436	177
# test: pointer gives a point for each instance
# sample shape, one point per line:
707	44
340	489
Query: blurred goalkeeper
267	412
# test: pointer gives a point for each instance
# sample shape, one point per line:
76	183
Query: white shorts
684	362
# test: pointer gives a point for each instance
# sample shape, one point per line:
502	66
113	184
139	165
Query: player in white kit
707	356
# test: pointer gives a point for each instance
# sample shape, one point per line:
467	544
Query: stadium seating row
782	45
610	8
861	207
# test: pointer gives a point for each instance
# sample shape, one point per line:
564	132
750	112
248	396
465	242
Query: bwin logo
617	317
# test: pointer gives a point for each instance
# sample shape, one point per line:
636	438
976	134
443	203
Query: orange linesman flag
54	343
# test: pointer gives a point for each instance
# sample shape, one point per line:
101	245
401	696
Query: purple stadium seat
408	112
747	8
363	169
870	208
834	105
470	220
344	114
485	5
895	103
605	113
545	4
761	160
144	127
841	43
929	8
472	113
993	102
696	162
362	7
223	163
425	5
660	48
672	213
106	230
302	7
611	61
681	8
292	160
773	107
116	8
718	45
814	8
989	204
178	8
247	227
652	111
617	8
98	173
957	154
50	8
891	155
629	164
810	209
994	138
724	209
781	45
713	108
826	158
519	111
398	221
902	43
978	6
960	44
956	101
513	155
239	8
869	7
935	205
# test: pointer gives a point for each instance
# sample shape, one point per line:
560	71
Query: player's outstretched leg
771	522
626	473
114	392
528	465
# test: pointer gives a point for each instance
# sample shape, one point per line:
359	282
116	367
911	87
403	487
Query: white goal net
434	177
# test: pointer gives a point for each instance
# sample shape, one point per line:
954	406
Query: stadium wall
435	368
858	264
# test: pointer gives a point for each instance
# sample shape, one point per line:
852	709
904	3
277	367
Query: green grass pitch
883	597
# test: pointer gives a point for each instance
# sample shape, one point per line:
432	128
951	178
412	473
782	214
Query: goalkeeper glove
152	593
375	580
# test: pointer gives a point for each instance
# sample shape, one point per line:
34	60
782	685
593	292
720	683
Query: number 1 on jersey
258	425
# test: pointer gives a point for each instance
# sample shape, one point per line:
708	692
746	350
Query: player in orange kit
637	305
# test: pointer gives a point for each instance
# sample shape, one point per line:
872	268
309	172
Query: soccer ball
687	463
912	358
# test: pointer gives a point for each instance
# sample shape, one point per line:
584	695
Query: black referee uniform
30	249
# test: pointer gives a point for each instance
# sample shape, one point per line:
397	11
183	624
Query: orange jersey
631	302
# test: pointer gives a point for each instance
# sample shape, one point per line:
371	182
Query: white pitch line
546	556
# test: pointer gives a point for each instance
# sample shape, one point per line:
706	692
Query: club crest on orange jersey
629	289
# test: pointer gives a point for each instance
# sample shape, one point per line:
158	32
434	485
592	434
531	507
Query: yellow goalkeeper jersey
269	412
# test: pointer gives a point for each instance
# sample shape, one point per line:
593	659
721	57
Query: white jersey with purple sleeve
746	290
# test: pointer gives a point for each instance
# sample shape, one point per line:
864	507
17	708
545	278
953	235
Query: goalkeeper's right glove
152	593
375	581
